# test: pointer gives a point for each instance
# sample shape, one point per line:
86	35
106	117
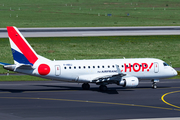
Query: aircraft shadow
111	90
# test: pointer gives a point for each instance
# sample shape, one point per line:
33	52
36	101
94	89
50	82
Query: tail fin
22	52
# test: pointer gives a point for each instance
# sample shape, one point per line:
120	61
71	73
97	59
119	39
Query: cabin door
156	67
57	70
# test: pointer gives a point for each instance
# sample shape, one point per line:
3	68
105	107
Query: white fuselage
78	70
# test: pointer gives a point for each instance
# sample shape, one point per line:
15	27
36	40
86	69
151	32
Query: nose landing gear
154	86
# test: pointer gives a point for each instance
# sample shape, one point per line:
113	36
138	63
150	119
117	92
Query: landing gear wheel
154	86
85	86
103	88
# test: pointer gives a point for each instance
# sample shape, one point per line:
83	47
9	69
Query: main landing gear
154	86
86	86
103	88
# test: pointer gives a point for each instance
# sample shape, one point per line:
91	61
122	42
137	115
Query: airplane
123	72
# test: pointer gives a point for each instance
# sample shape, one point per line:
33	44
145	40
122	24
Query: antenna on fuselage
170	64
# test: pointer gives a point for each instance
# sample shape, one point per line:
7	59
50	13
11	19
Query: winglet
118	70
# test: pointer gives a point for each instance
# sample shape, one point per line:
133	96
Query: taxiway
44	100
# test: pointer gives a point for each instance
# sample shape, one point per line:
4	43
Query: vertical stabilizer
22	52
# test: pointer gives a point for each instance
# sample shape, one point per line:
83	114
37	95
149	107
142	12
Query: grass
78	13
162	47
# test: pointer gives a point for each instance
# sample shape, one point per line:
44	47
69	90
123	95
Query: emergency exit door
156	67
57	70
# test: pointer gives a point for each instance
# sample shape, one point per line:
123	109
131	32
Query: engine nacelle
129	81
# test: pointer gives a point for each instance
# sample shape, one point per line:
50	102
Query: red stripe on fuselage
21	44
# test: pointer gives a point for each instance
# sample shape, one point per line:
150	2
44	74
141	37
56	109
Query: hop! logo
136	67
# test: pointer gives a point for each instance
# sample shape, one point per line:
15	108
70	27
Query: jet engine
129	81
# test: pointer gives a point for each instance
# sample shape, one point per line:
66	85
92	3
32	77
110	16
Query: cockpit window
165	64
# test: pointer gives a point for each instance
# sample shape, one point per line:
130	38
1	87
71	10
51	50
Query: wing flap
93	77
99	77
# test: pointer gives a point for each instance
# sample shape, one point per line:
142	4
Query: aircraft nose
175	72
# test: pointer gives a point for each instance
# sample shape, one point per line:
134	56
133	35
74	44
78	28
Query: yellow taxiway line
86	101
162	98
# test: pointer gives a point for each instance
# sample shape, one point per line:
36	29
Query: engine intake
129	81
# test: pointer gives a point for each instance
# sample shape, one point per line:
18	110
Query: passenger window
89	67
122	65
98	67
113	66
108	66
74	67
79	67
93	66
102	66
64	67
69	67
84	67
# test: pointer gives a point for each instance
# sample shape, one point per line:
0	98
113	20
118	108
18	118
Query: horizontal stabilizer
20	66
26	67
1	63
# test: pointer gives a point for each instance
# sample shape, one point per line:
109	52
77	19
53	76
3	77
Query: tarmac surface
95	31
54	100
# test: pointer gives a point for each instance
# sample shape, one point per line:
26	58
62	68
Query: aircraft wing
102	77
